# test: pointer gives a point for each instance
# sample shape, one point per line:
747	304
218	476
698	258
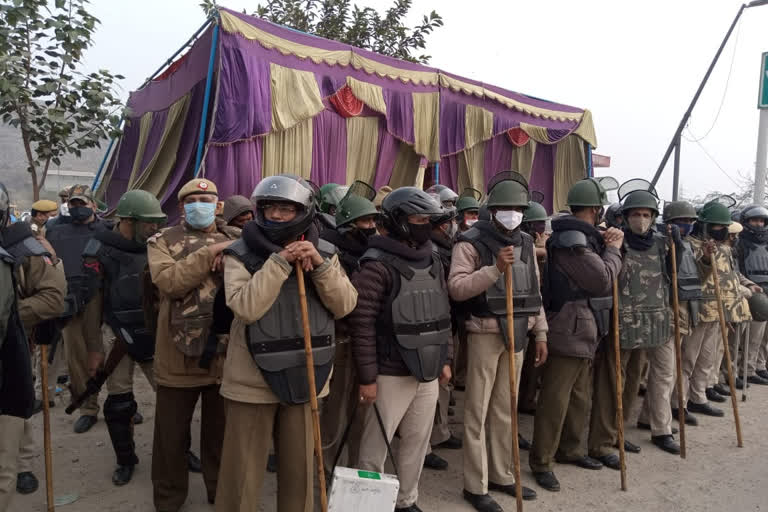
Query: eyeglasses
282	209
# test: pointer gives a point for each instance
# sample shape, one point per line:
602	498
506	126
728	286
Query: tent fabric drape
295	97
235	168
362	148
329	148
426	119
145	125
569	165
405	173
289	151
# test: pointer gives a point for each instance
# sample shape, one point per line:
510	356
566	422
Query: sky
635	65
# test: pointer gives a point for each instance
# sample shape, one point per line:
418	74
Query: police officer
82	333
480	257
355	224
614	217
699	347
185	262
116	262
752	254
265	380
331	195
644	321
445	195
655	415
582	263
401	336
42	212
237	211
467	207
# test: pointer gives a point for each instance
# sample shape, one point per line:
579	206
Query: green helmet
535	212
354	207
640	199
140	205
758	306
467	203
715	212
678	210
332	197
587	192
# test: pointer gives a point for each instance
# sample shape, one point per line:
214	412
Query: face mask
685	228
199	215
509	219
420	233
639	225
539	227
80	213
64	209
720	235
368	232
469	222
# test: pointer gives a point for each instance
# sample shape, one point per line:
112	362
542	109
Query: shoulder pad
326	248
35	248
92	248
327	220
570	239
373	254
4	256
470	235
238	249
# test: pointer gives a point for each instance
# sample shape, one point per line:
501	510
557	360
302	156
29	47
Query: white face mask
510	219
64	209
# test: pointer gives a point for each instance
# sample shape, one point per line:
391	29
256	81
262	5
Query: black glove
47	332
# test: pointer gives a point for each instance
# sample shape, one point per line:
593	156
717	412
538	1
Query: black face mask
720	235
80	213
420	233
368	232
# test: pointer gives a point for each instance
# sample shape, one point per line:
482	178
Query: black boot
523	443
26	483
690	419
482	502
722	390
762	373
714	396
272	463
666	443
436	462
705	409
118	414
122	475
547	480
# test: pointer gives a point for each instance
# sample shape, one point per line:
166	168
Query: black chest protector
276	340
69	241
527	294
417	316
559	288
124	277
20	242
755	262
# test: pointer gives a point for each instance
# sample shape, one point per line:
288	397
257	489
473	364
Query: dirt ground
716	476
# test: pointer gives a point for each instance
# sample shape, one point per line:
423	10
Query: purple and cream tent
251	99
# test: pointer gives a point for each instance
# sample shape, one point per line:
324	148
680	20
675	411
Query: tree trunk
31	161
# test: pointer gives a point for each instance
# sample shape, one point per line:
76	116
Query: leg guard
118	413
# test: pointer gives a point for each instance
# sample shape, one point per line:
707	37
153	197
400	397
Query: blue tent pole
437	173
207	99
590	169
104	160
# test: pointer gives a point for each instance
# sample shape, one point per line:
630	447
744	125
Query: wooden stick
47	428
513	386
724	334
744	351
619	386
678	344
312	389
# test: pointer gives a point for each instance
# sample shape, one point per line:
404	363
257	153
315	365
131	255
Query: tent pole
436	177
206	100
104	160
590	167
177	52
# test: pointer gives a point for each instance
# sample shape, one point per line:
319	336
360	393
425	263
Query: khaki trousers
762	353
336	411
736	336
440	430
488	458
530	378
121	379
74	335
408	406
661	384
174	408
603	430
757	338
562	411
56	368
698	358
11	433
248	439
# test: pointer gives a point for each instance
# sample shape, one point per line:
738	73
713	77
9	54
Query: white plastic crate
355	490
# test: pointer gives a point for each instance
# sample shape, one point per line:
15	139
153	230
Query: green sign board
763	98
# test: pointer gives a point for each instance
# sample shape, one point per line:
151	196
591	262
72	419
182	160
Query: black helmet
753	211
612	214
405	201
290	189
444	195
5	206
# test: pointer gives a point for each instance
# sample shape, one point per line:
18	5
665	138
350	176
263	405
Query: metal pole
104	160
207	99
687	114
590	167
676	175
760	161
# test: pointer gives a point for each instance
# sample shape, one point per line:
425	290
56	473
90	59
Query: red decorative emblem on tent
202	185
345	102
518	137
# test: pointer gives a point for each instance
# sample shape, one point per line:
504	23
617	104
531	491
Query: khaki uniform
487	400
180	264
254	411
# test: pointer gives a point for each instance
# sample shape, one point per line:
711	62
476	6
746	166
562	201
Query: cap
735	228
45	206
198	186
82	192
381	194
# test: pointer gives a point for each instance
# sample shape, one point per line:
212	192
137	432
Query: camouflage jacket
180	264
735	305
644	312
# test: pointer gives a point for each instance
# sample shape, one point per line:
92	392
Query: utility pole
762	133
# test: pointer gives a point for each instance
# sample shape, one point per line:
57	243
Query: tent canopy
289	102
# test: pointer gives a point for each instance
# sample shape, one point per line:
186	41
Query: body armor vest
124	277
755	262
559	289
21	243
276	340
644	315
527	293
688	281
417	315
69	241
